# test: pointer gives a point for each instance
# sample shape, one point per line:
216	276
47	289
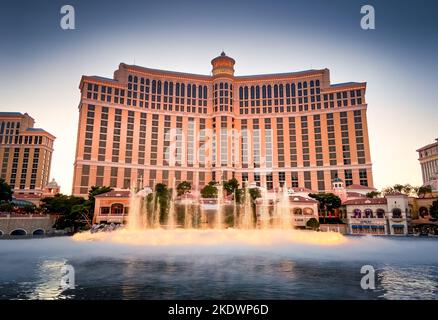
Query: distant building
428	157
25	154
378	216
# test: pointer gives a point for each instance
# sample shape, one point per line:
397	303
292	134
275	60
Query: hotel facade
147	126
25	154
428	157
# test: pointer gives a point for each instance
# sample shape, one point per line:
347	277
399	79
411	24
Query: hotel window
348	177
224	142
268	143
359	137
191	143
244	143
321	183
305	141
154	140
127	178
280	143
202	146
113	177
142	138
88	133
152	177
99	175
84	179
363	177
257	178
256	143
269	182
345	138
307	180
292	142
168	156
116	135
129	137
294	178
178	140
331	139
103	133
318	140
282	178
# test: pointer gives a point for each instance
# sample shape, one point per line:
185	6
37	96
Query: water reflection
409	283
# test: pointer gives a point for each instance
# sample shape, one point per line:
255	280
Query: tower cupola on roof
223	65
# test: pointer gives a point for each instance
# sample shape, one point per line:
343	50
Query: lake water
406	268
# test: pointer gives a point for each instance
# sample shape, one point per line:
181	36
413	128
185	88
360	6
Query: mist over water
406	268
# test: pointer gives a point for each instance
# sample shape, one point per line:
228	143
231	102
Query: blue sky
41	64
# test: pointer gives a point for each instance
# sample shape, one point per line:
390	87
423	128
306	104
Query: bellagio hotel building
148	126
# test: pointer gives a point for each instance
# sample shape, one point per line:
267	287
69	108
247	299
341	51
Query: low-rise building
378	216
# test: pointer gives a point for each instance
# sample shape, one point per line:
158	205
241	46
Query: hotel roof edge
430	145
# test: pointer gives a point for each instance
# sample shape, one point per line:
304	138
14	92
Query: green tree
255	193
312	223
231	185
29	208
423	191
373	194
328	202
210	190
5	191
183	188
6	207
433	210
69	208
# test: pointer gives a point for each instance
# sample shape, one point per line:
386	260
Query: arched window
305	84
200	92
368	213
308	211
205	92
275	91
177	90
423	211
154	86
226	86
117	208
312	83
241	93
257	92
292	89
194	91
317	83
38	232
189	90
130	78
159	87
18	232
287	90
166	88
299	85
396	213
264	92
280	88
171	88
246	93
357	213
269	92
298	211
135	79
380	213
183	93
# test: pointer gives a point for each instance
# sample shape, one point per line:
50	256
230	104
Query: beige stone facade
25	154
146	126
